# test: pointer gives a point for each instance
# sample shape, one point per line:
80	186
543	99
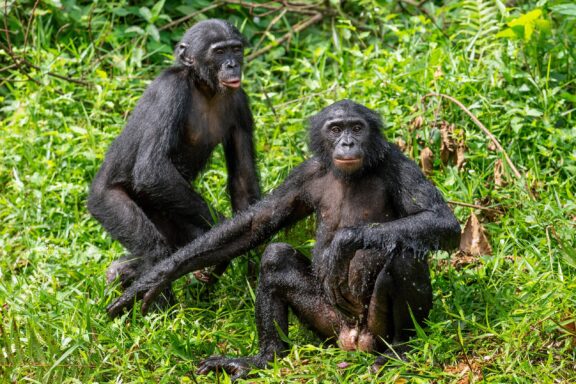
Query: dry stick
480	207
188	17
272	23
307	9
20	60
485	130
297	28
32	15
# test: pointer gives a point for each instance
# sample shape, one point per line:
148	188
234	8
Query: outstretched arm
284	206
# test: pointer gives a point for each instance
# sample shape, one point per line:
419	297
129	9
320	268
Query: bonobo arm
284	206
426	223
239	151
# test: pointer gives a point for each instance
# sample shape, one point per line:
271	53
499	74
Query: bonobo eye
237	49
219	51
335	129
357	128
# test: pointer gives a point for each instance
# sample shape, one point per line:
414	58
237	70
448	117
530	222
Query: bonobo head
347	137
214	51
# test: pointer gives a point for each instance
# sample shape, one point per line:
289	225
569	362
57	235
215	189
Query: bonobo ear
182	57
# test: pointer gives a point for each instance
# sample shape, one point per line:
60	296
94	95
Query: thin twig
62	77
485	130
32	16
8	67
273	5
297	28
481	126
468	205
190	16
269	27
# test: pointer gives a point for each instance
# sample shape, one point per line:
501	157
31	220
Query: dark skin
142	193
377	217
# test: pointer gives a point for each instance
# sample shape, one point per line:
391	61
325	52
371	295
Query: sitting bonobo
377	217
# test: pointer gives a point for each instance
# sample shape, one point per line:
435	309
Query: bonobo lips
347	161
348	164
231	83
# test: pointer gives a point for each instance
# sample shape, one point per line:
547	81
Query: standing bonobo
377	217
142	193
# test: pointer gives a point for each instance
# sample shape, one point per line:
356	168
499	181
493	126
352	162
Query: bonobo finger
150	296
208	365
117	307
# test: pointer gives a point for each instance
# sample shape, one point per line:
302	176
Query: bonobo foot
125	269
237	368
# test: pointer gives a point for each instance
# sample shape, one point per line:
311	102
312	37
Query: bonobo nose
231	64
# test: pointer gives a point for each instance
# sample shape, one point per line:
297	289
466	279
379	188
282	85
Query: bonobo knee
275	256
95	197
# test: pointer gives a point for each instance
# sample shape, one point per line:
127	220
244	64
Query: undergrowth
505	317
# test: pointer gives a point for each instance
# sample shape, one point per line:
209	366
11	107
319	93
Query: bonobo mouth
348	164
231	83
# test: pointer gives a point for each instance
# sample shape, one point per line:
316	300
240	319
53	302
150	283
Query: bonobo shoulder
304	173
397	163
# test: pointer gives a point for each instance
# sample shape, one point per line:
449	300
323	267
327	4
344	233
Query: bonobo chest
208	121
344	203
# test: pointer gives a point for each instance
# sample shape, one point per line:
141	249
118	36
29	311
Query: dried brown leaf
401	144
466	372
499	175
416	123
447	144
460	151
474	241
461	259
427	161
438	72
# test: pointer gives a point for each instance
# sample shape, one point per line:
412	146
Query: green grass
508	317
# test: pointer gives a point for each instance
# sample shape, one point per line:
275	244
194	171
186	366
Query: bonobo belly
363	271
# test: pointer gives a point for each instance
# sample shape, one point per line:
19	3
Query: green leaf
146	14
527	18
565	10
135	29
153	31
507	33
157	8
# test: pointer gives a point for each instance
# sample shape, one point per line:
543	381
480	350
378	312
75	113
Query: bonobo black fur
142	193
377	217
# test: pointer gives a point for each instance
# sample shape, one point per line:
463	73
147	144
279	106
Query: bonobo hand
335	283
237	367
147	287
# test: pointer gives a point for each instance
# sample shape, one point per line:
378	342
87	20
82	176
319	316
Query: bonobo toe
236	368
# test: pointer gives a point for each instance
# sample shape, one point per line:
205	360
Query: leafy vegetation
70	72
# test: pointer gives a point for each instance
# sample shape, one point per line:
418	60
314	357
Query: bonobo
142	193
377	216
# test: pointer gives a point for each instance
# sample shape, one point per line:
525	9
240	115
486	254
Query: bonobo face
214	49
348	135
225	57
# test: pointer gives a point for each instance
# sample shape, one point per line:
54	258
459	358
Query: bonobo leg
285	281
126	222
402	287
